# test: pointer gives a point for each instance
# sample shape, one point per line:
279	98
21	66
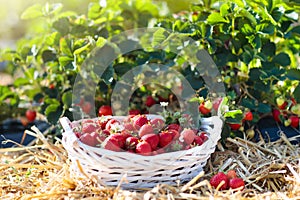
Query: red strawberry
236	183
102	121
129	127
231	174
150	101
176	127
111	143
217	179
276	115
89	128
91	139
131	142
188	136
105	132
235	126
145	129
30	115
87	121
165	138
198	141
203	136
104	110
152	139
205	107
157	124
134	112
139	121
248	116
175	134
294	121
281	103
143	148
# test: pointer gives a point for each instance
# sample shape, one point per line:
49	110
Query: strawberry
176	127
102	121
111	143
139	121
217	179
134	112
150	101
294	121
86	107
30	115
188	136
276	115
89	127
231	174
152	139
145	129
165	138
235	126
175	134
157	124
296	109
198	141
104	110
248	116
203	136
236	183
129	127
143	148
281	103
205	107
91	139
131	142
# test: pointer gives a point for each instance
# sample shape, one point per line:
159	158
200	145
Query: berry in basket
137	134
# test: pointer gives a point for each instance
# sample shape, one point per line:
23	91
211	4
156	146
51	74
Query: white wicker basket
108	167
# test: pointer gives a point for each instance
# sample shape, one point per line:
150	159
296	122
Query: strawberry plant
255	47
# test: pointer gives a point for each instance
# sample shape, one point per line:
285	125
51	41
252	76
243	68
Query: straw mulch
41	171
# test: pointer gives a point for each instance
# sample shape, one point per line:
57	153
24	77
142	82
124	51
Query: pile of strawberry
137	134
229	180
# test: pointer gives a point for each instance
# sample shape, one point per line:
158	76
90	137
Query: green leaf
267	28
248	103
48	55
32	12
233	113
94	11
65	60
65	47
216	18
67	99
295	29
62	25
81	49
247	29
21	82
53	112
297	93
282	59
264	108
159	36
293	74
269	49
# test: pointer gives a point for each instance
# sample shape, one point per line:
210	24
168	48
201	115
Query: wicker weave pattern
141	171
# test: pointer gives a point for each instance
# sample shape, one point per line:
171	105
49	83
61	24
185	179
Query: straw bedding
41	171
